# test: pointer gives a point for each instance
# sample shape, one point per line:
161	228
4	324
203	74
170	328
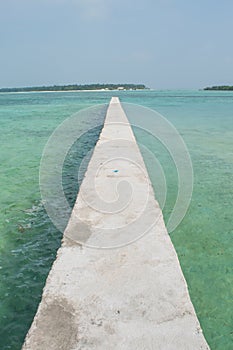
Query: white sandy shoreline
47	91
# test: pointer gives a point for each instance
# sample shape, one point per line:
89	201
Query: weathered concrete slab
132	297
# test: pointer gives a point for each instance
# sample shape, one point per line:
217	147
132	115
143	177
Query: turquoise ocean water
28	239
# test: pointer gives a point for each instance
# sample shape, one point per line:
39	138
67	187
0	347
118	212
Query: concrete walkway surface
117	282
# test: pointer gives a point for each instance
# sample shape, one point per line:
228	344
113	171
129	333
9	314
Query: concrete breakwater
133	296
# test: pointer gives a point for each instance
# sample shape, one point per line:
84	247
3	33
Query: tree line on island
77	87
221	87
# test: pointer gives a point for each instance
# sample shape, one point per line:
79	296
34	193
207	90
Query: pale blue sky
162	43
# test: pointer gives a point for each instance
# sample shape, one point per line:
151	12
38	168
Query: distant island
76	87
222	87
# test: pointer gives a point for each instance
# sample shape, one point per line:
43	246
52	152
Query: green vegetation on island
76	87
221	87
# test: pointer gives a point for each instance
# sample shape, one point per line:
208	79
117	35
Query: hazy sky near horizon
164	44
